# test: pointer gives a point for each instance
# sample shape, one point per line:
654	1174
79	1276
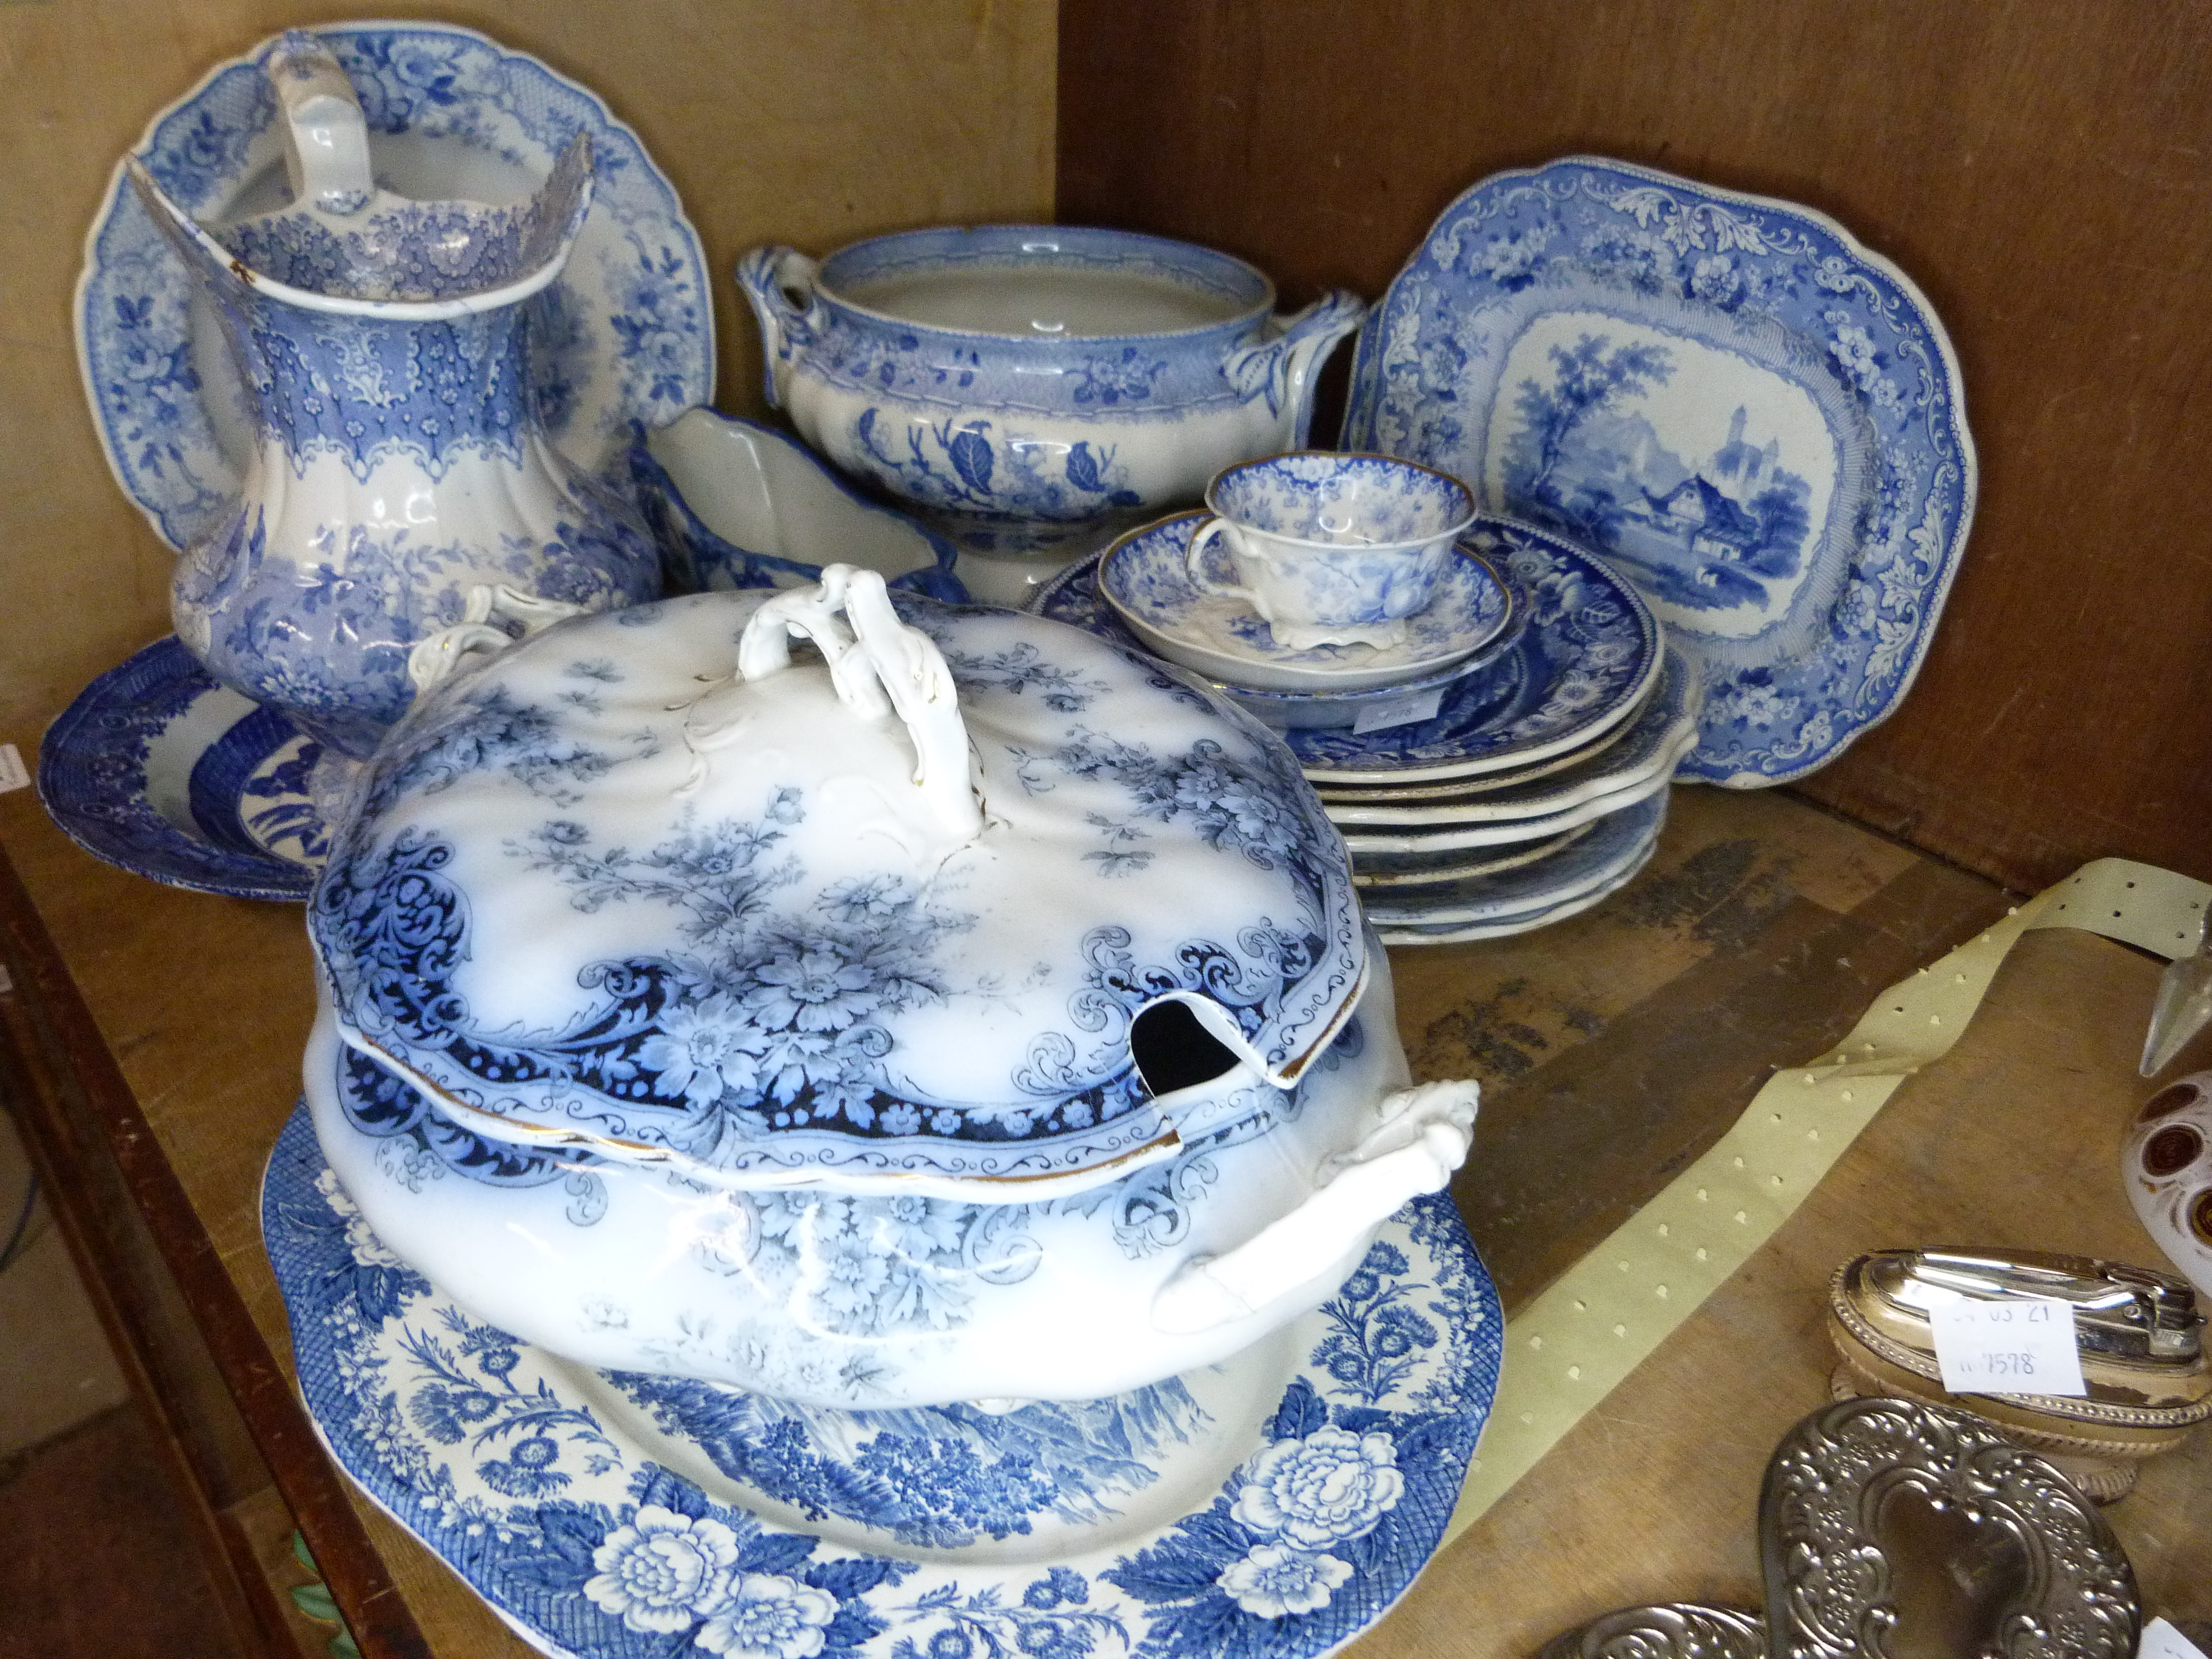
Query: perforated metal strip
1568	1349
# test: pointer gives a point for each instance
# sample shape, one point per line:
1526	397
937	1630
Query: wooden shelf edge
52	1050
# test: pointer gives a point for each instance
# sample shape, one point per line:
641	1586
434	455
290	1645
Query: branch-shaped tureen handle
438	656
880	666
1423	1136
326	134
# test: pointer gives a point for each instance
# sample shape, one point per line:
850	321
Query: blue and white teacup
1331	549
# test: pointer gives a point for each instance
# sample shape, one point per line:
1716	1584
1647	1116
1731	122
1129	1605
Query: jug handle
436	657
881	666
1423	1138
767	277
1282	369
325	135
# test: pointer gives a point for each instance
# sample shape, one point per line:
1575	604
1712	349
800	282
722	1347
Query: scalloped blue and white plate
1758	419
1661	732
1616	843
157	769
1277	1505
626	336
1520	921
1589	657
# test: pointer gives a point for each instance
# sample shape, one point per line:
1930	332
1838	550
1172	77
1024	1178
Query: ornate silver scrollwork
2043	1574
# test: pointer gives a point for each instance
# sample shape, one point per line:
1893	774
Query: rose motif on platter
1330	1485
1273	1580
663	1570
768	1616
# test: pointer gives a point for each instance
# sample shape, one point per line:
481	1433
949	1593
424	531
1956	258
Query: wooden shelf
156	1034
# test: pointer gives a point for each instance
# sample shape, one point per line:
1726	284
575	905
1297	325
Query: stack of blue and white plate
1504	767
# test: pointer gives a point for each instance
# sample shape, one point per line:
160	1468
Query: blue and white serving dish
1643	758
157	769
1027	386
1277	1505
966	915
1758	417
624	337
1144	578
1614	844
827	1294
737	504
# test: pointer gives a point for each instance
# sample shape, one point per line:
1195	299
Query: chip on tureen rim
649	881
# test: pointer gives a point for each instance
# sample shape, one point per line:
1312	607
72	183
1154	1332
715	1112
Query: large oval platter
1276	1505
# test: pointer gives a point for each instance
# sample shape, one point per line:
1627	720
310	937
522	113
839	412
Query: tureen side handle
769	278
436	657
326	134
1423	1137
1282	368
879	667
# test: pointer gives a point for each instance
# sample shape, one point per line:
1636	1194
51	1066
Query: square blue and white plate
1759	420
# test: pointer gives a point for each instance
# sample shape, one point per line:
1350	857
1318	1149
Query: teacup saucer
1279	1504
1142	579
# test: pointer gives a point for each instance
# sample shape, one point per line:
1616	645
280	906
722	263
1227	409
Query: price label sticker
1398	711
2014	1346
14	774
2160	1640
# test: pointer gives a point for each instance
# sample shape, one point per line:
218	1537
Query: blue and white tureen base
869	1302
1278	1505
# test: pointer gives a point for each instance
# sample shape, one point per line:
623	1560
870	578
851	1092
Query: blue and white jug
400	460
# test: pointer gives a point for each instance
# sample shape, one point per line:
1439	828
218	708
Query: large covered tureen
948	1006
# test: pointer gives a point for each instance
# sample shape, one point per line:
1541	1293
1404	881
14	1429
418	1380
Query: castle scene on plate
856	1102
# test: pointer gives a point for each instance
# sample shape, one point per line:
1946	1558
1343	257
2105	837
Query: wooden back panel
2044	169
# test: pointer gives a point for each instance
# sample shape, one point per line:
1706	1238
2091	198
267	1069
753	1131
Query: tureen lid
888	910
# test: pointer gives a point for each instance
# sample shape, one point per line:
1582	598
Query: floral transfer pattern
567	1525
1716	271
625	336
756	1022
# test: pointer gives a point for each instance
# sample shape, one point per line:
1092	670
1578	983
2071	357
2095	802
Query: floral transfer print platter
614	1516
157	769
1589	656
625	336
1756	418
